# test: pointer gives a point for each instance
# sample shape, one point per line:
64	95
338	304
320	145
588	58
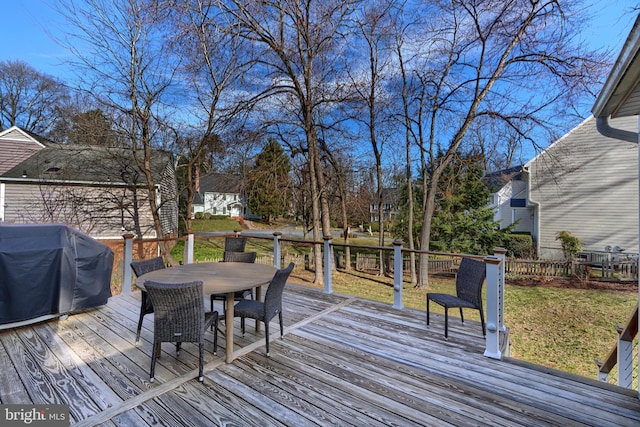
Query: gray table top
217	277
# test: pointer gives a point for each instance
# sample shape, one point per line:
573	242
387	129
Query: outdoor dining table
217	278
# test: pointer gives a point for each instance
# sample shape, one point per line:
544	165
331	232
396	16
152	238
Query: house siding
587	184
93	210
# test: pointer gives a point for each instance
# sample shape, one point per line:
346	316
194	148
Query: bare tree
374	28
29	99
300	44
487	59
214	62
124	60
406	118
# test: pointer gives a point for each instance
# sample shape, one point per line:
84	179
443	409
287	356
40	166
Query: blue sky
26	24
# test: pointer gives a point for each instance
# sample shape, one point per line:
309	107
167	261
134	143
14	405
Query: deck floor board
343	361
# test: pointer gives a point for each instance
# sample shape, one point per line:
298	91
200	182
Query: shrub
571	245
519	245
199	215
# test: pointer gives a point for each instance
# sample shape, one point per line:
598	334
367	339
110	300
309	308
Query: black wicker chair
140	268
249	257
272	305
469	280
179	317
235	244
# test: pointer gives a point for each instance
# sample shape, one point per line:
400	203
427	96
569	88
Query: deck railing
623	355
495	279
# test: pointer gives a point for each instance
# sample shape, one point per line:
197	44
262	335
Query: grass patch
204	225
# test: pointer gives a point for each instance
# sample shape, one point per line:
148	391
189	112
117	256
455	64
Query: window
518	203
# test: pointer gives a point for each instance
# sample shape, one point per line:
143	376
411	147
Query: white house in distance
584	183
220	194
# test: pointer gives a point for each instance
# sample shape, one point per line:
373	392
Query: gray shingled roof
220	183
498	179
86	164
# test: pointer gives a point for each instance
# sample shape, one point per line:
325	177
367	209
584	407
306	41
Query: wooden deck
343	361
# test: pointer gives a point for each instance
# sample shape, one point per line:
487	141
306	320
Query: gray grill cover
50	270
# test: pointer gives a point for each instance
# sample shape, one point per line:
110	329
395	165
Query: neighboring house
220	194
97	190
390	201
509	192
584	183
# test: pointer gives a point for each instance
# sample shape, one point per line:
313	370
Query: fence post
189	249
276	249
492	348
126	263
328	270
501	253
397	274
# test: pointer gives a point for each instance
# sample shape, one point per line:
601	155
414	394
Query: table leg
258	298
228	321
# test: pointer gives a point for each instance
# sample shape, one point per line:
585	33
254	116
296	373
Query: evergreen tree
269	183
463	221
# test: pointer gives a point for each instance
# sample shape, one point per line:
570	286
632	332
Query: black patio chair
265	310
248	257
179	317
140	268
469	280
235	244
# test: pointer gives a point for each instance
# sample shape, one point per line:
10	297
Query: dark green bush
520	245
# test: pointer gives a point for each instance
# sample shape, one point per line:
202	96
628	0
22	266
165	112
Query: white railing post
126	264
625	362
492	348
501	253
277	254
398	266
188	249
328	269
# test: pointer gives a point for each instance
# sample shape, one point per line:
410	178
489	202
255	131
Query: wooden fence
624	270
437	264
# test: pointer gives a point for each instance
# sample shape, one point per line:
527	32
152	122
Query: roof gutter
602	124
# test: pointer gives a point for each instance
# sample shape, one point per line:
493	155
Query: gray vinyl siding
93	210
587	184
